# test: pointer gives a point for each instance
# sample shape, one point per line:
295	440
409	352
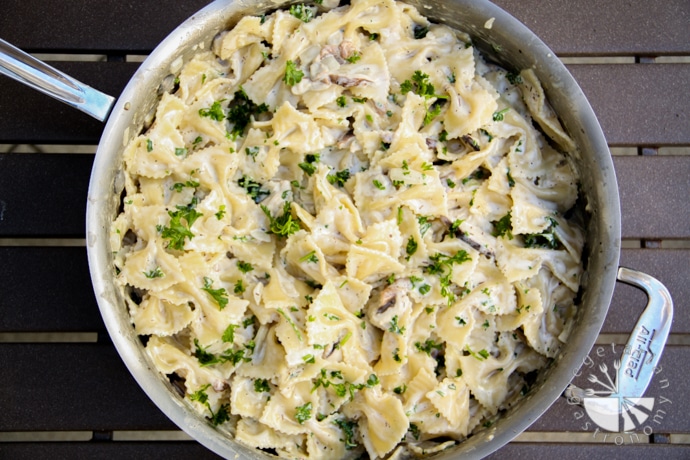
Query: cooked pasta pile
344	233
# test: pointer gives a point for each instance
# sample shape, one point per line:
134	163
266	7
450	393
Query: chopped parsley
292	74
303	413
221	416
411	247
215	112
498	116
511	181
201	396
503	227
342	388
424	224
249	321
396	355
176	232
354	57
341	101
291	322
180	151
394	327
240	112
252	152
219	295
204	357
282	225
442	265
261	386
421	85
548	239
348	429
179	185
253	189
432	113
481	355
428	346
302	12
229	334
420	31
221	212
379	185
157	273
149	145
239	287
308	164
339	178
514	78
424	289
310	257
244	267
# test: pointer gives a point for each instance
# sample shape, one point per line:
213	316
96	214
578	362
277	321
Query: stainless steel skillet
510	44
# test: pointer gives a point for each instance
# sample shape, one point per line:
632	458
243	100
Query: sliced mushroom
393	301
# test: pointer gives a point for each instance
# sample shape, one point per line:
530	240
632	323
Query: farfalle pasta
347	232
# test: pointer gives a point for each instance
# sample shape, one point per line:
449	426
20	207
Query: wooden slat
670	382
43	194
186	450
654	195
30	117
65	286
638	104
90	389
85	26
658	113
671	267
606	27
591	27
72	387
577	451
110	450
47	289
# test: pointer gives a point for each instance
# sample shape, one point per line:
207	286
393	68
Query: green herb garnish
303	413
253	189
219	295
503	227
498	116
157	273
302	12
339	178
282	225
394	327
176	232
215	112
292	74
261	386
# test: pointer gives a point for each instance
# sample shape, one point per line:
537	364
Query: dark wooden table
64	392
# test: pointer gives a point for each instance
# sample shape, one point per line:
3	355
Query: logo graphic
601	393
610	409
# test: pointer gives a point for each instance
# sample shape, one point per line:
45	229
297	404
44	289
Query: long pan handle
26	69
643	349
